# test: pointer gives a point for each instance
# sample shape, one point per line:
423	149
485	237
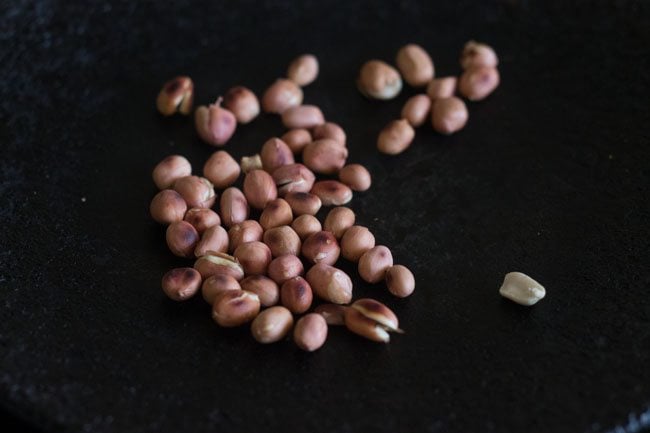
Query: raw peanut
219	263
324	156
355	242
254	257
271	325
416	109
182	238
333	314
214	124
400	281
264	287
259	188
213	239
443	87
246	231
396	137
356	176
477	83
285	267
374	263
303	70
332	192
296	295
449	115
302	116
297	139
169	170
235	307
176	95
276	213
330	130
379	80
275	153
233	206
338	220
476	54
243	103
202	218
196	191
167	207
181	283
293	178
330	283
216	285
310	332
415	64
321	247
522	289
281	95
221	169
306	225
282	240
303	203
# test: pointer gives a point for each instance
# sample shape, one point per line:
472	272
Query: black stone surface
551	177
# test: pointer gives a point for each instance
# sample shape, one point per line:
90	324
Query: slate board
551	177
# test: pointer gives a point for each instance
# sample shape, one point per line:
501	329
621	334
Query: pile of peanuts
448	113
264	256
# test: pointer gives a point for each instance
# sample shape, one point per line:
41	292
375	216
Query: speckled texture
551	177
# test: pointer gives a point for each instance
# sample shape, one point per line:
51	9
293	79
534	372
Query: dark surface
550	177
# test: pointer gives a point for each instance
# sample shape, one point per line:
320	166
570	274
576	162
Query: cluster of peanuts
448	113
266	246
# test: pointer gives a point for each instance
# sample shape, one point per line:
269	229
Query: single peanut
338	220
303	70
217	284
259	188
443	87
321	247
271	325
293	178
276	213
416	109
282	240
374	263
264	287
303	203
476	54
196	191
243	103
330	283
233	207
213	239
330	130
355	242
254	257
167	207
176	95
302	116
332	192
400	281
281	95
181	283
181	238
275	153
333	314
235	307
449	115
477	83
202	218
285	267
215	124
297	139
356	176
415	64
324	156
169	170
249	163
310	332
221	169
306	225
246	231
379	80
219	263
396	137
296	295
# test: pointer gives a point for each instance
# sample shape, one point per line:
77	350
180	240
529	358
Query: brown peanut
167	207
297	139
303	70
306	225
338	220
219	263
296	295
449	115
477	83
254	257
169	170
259	188
374	263
400	281
235	307
202	218
276	213
181	283
177	95
275	153
243	103
415	64
356	176
396	137
271	325
302	116
221	169
293	178
476	54
281	95
330	283
443	87
246	231
303	203
217	284
321	247
282	240
310	332
264	287
285	267
355	242
181	238
196	191
332	192
213	239
379	80
330	130
233	206
416	109
324	156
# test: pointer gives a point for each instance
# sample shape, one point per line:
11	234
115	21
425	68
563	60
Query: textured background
550	177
